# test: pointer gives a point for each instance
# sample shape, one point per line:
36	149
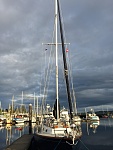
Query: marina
95	137
55	116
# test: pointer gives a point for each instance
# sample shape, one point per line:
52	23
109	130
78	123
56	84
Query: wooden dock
22	143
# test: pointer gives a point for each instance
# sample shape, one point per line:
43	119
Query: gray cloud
25	25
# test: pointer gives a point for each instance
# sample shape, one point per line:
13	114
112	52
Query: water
99	139
9	134
96	136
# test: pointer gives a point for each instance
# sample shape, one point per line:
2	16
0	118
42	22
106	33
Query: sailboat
93	125
92	116
60	130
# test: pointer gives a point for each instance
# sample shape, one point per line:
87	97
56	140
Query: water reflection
1	128
9	133
107	122
97	136
19	128
93	125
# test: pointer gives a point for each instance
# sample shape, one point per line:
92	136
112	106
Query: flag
67	50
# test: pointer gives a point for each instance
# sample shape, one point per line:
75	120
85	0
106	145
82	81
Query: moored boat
18	120
47	141
92	116
60	130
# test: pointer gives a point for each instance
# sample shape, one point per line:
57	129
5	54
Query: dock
22	143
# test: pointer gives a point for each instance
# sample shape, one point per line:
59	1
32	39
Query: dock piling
30	118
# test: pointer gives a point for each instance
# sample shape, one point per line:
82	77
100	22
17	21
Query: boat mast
56	43
12	111
34	103
22	98
22	103
65	63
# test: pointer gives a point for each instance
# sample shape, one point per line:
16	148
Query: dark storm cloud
88	25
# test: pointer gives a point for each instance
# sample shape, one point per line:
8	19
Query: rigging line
44	90
52	54
65	42
62	22
58	143
42	98
67	52
63	28
41	83
63	80
47	73
84	144
41	77
65	64
46	80
71	79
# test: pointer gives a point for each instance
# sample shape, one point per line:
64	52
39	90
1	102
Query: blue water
9	134
100	138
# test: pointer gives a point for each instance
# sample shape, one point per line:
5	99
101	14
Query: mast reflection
93	125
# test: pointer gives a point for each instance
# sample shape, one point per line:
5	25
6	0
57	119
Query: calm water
96	136
100	138
9	134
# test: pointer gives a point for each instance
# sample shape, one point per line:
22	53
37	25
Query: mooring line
84	144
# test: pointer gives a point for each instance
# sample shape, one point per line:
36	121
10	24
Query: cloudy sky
88	26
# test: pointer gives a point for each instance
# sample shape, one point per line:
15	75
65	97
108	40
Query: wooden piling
30	118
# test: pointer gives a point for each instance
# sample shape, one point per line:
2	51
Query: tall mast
56	43
12	104
22	103
34	102
37	105
65	63
22	98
